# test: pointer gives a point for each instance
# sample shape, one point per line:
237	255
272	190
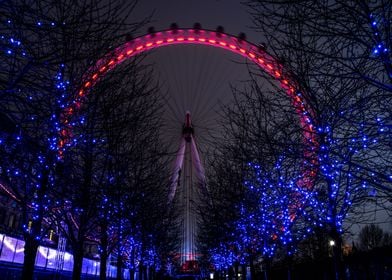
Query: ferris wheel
188	95
214	39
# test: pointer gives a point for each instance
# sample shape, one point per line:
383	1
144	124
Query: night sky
230	14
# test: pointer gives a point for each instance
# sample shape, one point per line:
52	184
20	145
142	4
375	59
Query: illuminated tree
339	53
45	49
134	171
259	164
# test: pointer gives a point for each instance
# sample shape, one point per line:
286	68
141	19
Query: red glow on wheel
208	38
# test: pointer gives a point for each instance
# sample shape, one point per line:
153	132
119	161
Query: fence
12	251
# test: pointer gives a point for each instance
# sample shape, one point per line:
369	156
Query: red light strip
8	192
201	37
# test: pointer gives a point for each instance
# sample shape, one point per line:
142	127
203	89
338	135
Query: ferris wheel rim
216	39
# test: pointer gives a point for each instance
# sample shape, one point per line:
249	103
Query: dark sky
230	14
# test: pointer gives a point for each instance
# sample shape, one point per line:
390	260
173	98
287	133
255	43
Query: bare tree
330	48
372	236
47	46
256	167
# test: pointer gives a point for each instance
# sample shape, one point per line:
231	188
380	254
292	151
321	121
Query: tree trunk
30	253
103	266
31	243
267	268
289	267
85	202
244	271
337	256
145	272
140	271
231	271
132	269
252	269
78	261
119	267
132	274
104	252
236	270
151	273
